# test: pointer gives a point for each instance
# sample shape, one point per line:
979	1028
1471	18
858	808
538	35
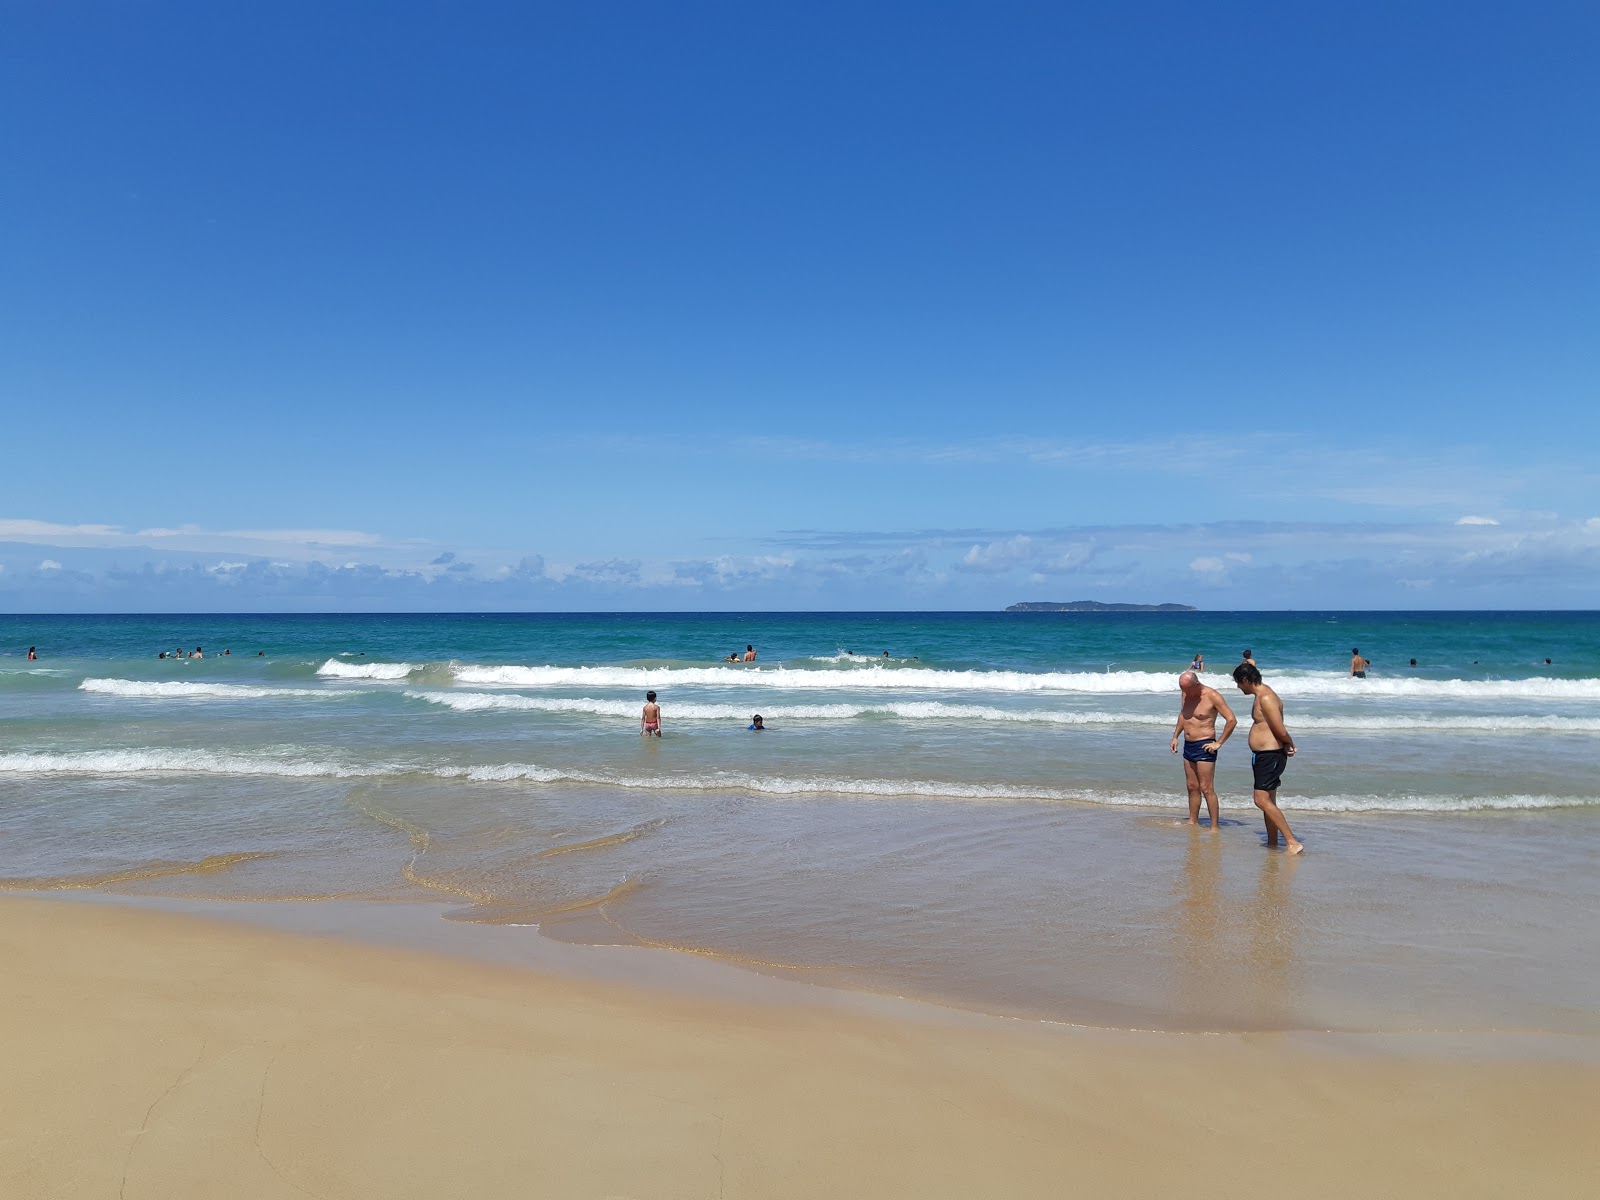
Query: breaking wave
334	669
1071	682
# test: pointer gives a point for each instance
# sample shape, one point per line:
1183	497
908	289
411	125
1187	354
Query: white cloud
1209	567
1469	520
16	529
49	564
998	556
279	537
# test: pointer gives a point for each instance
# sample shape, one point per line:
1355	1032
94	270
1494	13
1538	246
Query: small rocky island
1094	606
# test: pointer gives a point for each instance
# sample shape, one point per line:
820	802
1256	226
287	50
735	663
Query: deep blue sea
975	806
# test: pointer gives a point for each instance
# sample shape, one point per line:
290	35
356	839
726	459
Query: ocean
975	808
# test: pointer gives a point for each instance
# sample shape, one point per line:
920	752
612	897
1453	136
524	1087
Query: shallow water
987	817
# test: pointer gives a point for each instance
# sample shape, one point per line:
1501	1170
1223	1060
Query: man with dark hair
1358	665
1271	747
1197	723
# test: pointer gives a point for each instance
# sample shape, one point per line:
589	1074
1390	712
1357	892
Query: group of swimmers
749	655
197	652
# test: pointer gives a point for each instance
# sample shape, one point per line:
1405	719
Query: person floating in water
198	653
749	654
33	654
650	718
1197	723
734	657
1271	747
757	725
1413	662
1358	665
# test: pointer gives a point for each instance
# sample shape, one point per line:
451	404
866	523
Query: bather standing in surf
1271	748
1197	725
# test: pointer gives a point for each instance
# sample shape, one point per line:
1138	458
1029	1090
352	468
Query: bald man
1197	725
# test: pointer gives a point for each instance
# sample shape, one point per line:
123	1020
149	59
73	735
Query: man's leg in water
1208	785
1191	780
1273	816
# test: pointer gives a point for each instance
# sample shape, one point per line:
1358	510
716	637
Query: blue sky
720	306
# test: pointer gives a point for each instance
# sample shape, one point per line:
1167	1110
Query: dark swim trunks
1359	674
1196	751
1268	766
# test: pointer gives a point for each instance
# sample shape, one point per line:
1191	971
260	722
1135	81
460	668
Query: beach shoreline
175	1055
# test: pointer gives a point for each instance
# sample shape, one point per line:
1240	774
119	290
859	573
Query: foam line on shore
183	690
192	762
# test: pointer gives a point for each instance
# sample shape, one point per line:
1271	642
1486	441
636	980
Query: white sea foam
180	762
934	710
194	762
179	690
909	709
334	669
1073	682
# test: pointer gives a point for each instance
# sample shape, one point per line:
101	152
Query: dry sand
151	1056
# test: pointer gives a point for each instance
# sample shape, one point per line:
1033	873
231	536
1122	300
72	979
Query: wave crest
1071	682
334	669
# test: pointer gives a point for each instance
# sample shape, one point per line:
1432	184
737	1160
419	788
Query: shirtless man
650	719
1197	722
749	654
1271	748
1358	665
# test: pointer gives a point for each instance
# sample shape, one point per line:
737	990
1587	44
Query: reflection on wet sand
1201	959
1272	975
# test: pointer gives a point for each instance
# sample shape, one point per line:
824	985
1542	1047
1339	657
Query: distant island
1093	606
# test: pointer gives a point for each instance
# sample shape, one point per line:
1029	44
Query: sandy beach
171	1056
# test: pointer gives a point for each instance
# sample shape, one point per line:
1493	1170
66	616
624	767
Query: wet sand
150	1054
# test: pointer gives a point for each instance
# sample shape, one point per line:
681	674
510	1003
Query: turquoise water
985	814
1446	645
